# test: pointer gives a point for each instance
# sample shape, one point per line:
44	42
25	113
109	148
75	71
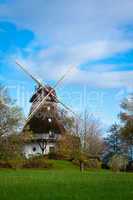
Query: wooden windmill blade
29	74
49	92
39	83
45	98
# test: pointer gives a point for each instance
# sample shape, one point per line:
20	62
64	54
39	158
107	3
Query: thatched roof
42	92
48	117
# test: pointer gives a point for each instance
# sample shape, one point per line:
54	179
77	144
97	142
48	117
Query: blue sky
96	37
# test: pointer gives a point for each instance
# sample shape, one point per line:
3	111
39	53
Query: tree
113	140
93	143
68	121
10	122
113	144
11	118
127	107
126	117
68	146
118	163
88	129
10	147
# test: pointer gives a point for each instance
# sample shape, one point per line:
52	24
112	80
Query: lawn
65	182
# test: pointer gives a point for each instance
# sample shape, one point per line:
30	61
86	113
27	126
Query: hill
65	182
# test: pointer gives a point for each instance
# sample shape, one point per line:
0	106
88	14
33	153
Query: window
48	108
51	149
51	134
49	120
34	149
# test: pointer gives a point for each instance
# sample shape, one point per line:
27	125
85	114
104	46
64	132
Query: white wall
28	149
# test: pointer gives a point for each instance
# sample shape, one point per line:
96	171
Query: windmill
44	118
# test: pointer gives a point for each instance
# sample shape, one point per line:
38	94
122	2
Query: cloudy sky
49	36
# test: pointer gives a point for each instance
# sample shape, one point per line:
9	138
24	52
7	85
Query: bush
10	147
118	163
37	162
5	164
89	163
130	166
16	164
13	164
53	155
94	163
68	146
34	162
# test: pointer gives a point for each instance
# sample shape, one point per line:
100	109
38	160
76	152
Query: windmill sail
44	118
49	92
47	118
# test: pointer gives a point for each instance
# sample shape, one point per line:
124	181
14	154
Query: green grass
65	182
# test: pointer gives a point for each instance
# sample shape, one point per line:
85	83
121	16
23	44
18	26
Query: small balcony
46	136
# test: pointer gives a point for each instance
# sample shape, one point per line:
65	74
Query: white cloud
75	32
106	79
100	76
69	21
79	54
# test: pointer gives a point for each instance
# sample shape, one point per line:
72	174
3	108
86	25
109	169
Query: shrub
34	162
130	166
37	162
53	155
68	146
118	163
89	163
10	147
13	164
5	164
93	163
16	164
